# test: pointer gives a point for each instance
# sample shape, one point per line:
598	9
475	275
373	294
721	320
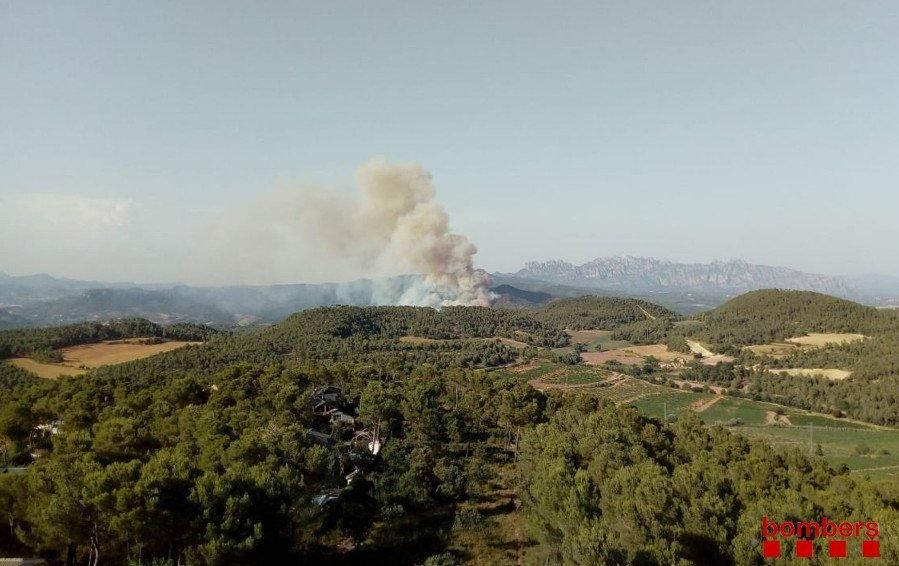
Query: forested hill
232	452
759	317
29	341
606	313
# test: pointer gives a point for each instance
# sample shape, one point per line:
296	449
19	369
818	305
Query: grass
722	412
840	440
670	402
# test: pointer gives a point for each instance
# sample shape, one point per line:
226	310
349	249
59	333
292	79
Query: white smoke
390	226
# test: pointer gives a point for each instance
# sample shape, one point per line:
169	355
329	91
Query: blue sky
767	131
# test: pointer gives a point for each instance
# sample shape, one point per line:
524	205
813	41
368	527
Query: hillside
509	296
759	317
606	313
342	443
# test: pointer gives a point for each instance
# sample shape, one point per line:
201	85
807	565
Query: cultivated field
822	339
835	374
79	359
633	355
864	448
46	371
774	350
115	352
708	357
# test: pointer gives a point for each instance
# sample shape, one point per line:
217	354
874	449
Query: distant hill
636	275
605	313
509	296
764	316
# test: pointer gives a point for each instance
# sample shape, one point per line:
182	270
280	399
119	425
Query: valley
468	406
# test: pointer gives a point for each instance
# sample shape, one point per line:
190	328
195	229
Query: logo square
837	549
804	548
771	548
871	548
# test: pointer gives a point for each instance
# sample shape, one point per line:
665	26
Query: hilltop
607	313
763	316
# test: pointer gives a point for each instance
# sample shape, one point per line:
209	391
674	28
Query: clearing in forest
834	374
113	352
46	371
79	359
823	339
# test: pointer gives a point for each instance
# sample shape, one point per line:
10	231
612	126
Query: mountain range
41	300
651	275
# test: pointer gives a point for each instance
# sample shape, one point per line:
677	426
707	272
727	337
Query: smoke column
389	226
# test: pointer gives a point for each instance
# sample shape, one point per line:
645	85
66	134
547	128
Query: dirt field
621	356
78	359
115	352
658	351
633	355
820	340
586	336
775	350
47	371
709	358
835	374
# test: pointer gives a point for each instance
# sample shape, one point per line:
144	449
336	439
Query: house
329	393
320	437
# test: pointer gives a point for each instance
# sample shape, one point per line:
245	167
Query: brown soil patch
833	374
823	339
772	418
703	404
115	352
46	371
620	356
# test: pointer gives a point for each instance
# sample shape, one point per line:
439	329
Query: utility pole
665	411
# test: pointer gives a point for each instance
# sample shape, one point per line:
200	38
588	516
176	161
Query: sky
131	134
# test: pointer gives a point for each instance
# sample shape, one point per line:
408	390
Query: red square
871	548
771	548
804	548
837	548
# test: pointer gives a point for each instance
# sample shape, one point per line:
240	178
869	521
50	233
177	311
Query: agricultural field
819	340
116	352
596	340
634	355
79	359
835	374
864	448
44	370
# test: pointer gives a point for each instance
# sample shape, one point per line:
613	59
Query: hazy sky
131	132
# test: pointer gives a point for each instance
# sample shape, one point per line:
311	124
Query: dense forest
603	485
331	438
606	313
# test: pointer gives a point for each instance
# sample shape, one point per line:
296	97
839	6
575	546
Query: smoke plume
389	226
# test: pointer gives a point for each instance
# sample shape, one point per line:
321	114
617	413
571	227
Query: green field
865	449
840	441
